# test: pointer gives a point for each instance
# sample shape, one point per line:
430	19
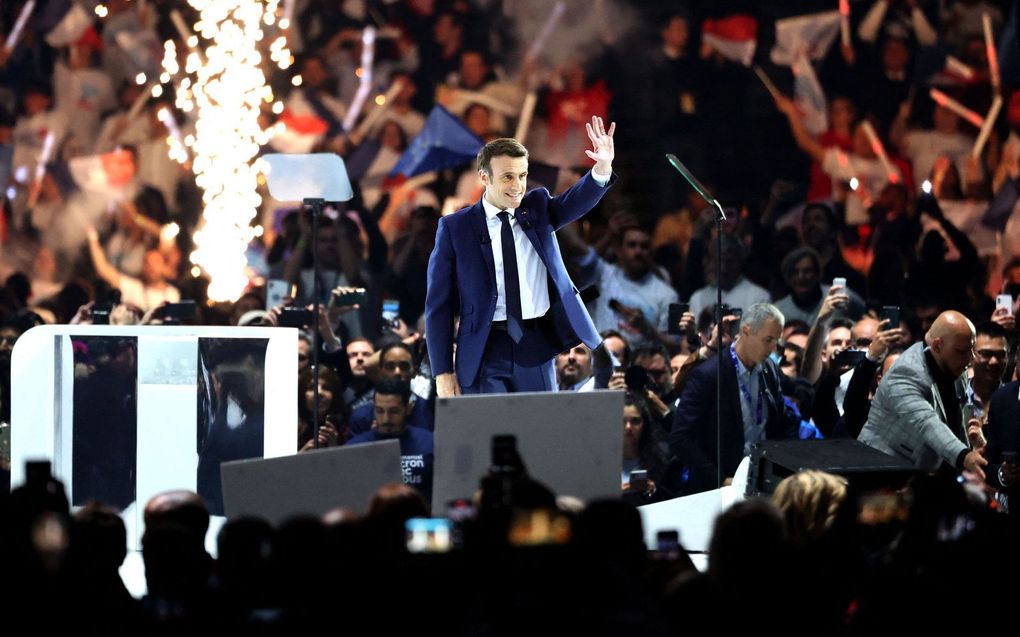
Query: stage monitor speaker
865	468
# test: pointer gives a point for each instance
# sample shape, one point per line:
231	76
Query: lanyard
758	415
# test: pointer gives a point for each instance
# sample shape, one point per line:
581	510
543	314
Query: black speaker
865	468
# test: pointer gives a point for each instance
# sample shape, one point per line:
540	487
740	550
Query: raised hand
603	151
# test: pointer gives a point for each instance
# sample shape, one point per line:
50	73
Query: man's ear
484	176
937	344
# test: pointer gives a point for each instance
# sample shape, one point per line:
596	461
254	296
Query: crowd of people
869	270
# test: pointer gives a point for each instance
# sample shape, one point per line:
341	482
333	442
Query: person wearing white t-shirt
148	291
738	292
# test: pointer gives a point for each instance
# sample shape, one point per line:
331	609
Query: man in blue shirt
392	408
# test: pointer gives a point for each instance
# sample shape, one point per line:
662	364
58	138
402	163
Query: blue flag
444	142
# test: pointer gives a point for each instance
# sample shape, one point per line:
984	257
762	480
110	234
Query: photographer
843	394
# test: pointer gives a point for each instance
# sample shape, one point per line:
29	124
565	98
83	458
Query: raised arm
804	140
103	267
811	368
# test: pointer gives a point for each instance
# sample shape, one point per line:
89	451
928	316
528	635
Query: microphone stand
719	219
316	206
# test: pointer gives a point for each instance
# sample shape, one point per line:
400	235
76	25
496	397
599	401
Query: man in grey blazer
917	412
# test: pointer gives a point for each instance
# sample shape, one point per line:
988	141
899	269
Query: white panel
167	417
32	402
281	393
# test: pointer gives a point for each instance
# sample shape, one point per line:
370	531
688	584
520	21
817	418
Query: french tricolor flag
298	132
63	22
735	37
107	174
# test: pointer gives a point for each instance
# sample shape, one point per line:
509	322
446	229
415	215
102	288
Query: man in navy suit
497	266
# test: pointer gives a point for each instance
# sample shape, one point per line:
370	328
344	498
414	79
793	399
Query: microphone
693	181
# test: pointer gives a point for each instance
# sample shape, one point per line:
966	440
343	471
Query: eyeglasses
989	353
392	366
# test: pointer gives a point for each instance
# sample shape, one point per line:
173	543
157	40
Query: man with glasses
990	357
395	361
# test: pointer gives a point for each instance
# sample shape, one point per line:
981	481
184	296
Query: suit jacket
908	418
1003	434
462	281
693	439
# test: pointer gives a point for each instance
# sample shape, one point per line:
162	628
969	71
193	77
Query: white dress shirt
532	273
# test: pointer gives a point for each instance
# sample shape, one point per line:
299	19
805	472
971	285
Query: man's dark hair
796	255
648	351
841	322
394	387
991	329
796	326
496	148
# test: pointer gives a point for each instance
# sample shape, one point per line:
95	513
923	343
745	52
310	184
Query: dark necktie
511	280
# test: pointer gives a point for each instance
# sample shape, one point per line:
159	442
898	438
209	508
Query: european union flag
444	142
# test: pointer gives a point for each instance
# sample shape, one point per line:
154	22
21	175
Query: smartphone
676	312
735	325
849	358
356	296
277	290
892	314
295	317
180	311
840	281
667	542
391	312
504	453
638	480
1004	301
428	535
101	313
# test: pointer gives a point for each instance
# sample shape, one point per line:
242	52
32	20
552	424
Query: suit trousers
509	367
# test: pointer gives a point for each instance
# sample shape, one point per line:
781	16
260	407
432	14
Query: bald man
916	413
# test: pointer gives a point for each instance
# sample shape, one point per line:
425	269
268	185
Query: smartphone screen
428	535
390	311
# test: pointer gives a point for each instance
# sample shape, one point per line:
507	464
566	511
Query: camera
636	378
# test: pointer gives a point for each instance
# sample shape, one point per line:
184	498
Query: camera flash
926	187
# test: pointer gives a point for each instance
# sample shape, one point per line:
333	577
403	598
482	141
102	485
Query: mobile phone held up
890	313
390	313
277	290
676	312
354	296
295	317
1004	301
